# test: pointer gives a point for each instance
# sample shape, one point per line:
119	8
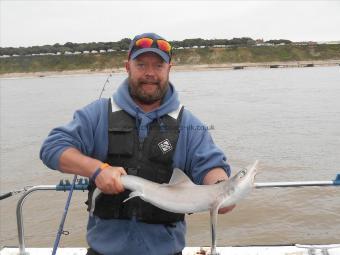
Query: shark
181	195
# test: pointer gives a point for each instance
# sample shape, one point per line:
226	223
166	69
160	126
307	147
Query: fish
181	195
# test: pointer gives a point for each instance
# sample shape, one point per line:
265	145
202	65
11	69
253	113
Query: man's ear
127	66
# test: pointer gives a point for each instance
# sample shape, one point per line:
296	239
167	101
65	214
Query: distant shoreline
203	67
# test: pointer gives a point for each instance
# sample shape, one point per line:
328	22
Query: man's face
148	77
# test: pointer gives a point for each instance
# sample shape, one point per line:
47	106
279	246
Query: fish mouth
255	172
253	177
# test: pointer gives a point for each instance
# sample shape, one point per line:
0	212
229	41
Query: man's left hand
226	209
216	175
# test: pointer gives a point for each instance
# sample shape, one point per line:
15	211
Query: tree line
123	45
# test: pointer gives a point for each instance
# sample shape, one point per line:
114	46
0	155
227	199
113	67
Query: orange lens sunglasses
147	43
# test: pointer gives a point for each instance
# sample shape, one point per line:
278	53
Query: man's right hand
109	181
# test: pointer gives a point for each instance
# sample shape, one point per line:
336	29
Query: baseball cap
150	42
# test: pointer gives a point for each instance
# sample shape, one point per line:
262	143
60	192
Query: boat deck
333	249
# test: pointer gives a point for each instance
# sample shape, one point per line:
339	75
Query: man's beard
137	92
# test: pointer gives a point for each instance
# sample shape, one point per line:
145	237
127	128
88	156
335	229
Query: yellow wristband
103	166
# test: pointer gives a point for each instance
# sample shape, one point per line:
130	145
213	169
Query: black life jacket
150	159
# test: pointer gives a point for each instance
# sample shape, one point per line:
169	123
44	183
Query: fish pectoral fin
96	193
134	194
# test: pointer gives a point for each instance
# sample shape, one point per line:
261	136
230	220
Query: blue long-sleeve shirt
195	154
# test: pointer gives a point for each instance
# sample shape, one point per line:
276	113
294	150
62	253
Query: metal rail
260	185
82	185
20	223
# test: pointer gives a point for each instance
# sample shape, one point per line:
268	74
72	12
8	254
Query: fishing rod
68	201
63	218
14	192
106	82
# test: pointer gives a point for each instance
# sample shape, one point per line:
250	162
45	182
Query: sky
29	23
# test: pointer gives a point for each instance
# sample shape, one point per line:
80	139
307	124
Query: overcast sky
28	23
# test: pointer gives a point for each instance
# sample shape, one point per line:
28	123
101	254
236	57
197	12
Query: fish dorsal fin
179	177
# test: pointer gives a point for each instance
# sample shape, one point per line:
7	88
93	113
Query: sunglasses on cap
146	42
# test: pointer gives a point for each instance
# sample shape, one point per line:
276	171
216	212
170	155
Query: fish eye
243	173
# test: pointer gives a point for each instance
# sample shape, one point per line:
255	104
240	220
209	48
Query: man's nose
150	70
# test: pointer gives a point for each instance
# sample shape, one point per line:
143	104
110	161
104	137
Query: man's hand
226	209
216	175
109	182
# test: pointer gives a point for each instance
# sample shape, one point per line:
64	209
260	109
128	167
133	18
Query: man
141	130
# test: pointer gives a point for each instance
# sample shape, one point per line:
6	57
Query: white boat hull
333	249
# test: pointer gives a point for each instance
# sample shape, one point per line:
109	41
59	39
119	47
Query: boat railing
81	184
